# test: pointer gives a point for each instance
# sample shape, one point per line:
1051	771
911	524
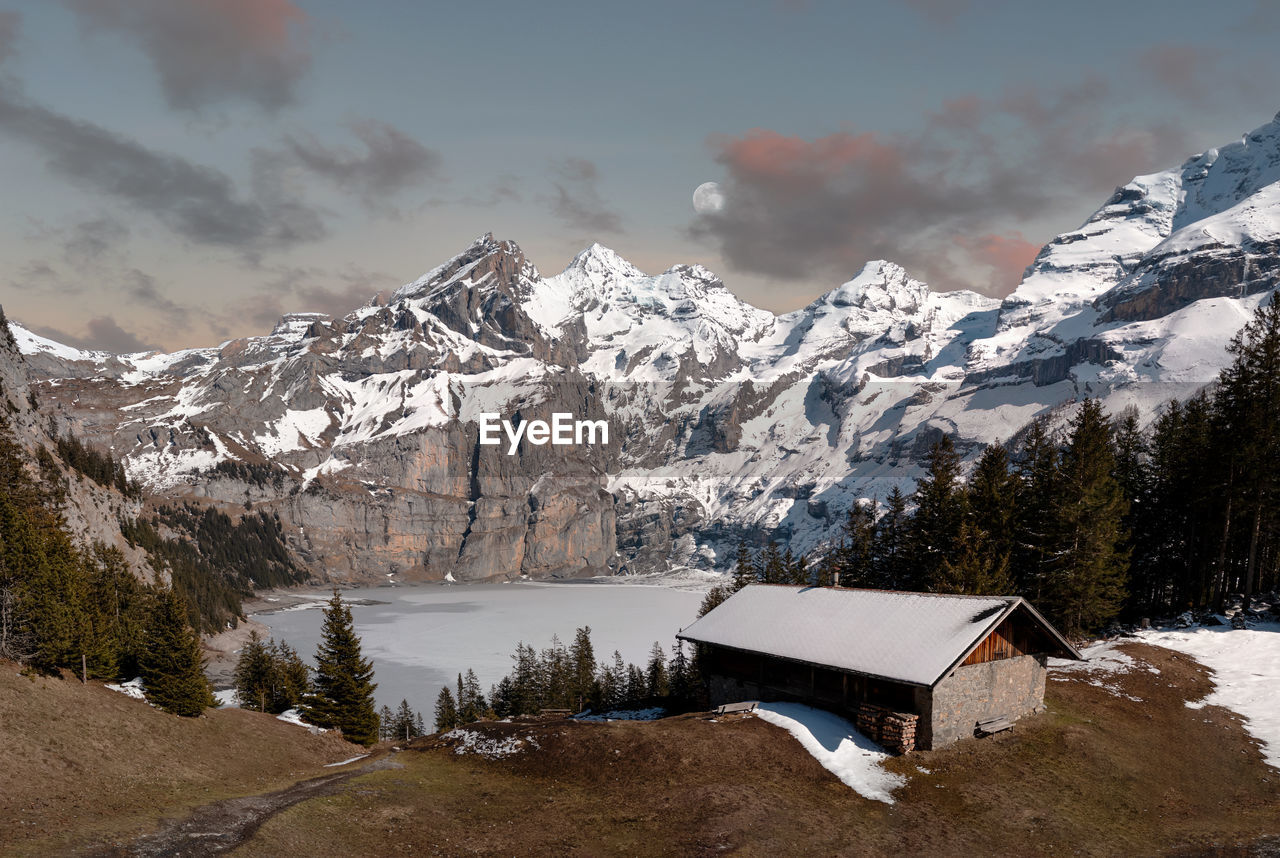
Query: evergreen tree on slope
342	695
1086	580
171	664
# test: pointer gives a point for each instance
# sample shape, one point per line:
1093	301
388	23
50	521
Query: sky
175	173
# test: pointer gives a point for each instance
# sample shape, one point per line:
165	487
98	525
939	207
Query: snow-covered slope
725	419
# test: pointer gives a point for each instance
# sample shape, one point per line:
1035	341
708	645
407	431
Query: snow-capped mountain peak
880	286
600	264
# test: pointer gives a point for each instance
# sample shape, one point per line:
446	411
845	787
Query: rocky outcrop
92	512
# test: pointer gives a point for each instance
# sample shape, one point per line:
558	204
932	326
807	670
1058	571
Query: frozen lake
420	638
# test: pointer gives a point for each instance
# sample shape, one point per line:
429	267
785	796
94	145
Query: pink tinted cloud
943	199
1006	255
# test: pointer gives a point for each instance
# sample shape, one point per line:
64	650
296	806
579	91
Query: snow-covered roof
915	638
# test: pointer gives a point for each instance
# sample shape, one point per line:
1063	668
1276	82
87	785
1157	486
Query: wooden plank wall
1001	643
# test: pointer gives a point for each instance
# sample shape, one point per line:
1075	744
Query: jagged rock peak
484	256
880	286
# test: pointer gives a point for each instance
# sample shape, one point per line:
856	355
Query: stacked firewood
898	731
895	730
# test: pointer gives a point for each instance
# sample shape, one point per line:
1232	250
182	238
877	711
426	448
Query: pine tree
940	511
1087	572
403	725
852	561
446	711
582	658
471	702
637	687
977	568
657	683
290	678
342	693
253	674
682	681
714	598
744	570
891	552
774	570
1039	481
171	663
980	562
386	727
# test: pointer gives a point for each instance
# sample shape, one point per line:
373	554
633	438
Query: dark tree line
100	467
261	475
219	562
570	678
83	610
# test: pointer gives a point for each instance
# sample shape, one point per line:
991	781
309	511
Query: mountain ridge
728	421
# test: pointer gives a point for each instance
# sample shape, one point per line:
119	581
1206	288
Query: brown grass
1097	775
80	764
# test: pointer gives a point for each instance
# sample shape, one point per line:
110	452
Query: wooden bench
993	725
736	708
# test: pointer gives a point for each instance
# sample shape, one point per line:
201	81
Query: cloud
101	334
144	292
197	202
577	201
1184	71
88	242
390	162
10	25
309	290
208	51
944	200
40	275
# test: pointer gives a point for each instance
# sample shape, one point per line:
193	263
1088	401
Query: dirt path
222	826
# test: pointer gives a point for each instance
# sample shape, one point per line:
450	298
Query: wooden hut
914	670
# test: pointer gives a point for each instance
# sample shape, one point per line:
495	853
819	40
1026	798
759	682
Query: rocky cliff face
92	511
724	420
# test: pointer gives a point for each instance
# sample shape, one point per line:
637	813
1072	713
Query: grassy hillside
84	770
1100	774
81	764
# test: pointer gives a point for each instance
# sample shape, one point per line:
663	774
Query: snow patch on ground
841	749
489	747
354	759
227	697
1246	674
652	714
1101	660
133	688
294	716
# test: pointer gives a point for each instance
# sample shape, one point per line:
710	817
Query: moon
708	198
